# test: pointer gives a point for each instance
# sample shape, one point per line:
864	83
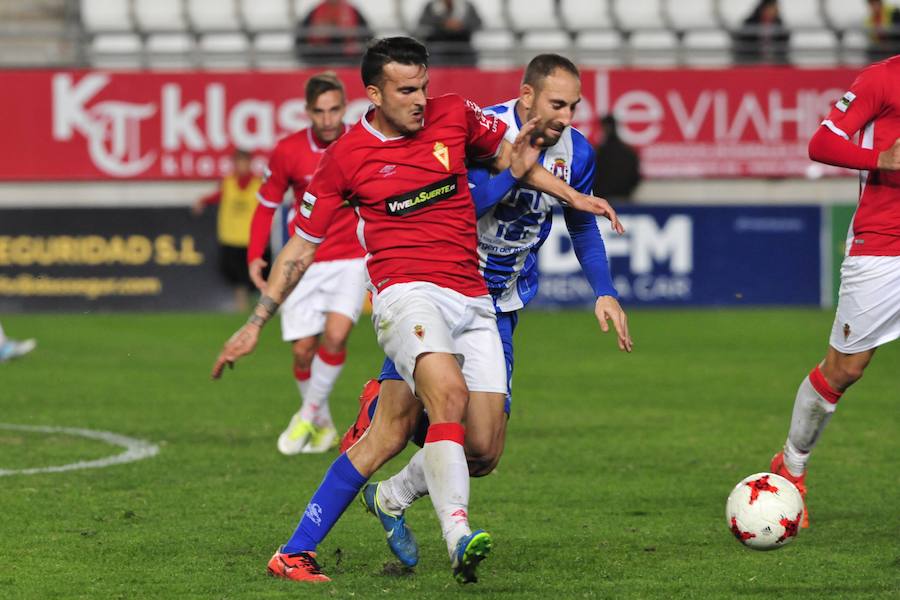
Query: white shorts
868	311
416	318
333	286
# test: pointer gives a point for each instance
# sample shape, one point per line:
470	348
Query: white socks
447	474
398	493
816	402
324	371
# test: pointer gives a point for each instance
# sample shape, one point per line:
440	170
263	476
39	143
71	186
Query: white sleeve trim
266	203
835	129
306	236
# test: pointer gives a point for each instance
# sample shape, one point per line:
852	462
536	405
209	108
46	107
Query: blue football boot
400	538
470	551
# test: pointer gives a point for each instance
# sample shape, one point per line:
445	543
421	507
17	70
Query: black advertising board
109	259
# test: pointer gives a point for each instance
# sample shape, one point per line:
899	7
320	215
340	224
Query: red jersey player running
868	311
318	315
403	170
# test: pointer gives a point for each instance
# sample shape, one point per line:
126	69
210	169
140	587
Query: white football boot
11	349
322	440
299	431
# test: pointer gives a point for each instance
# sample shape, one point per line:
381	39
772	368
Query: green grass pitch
613	484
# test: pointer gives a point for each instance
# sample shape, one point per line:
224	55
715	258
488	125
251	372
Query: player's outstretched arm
541	179
606	309
292	263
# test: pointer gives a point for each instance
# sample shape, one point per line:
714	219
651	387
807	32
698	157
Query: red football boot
301	566
369	394
778	467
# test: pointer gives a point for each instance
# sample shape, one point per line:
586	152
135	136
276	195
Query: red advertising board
91	125
753	122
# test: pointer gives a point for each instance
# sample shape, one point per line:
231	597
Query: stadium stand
269	25
39	33
260	33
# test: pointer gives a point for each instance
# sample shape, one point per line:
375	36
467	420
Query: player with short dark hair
514	221
403	171
543	66
318	315
868	311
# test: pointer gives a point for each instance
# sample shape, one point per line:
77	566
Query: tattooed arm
293	261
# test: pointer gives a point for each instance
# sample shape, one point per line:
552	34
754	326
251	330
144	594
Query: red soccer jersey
416	214
872	107
292	164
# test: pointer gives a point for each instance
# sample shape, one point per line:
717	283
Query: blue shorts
506	325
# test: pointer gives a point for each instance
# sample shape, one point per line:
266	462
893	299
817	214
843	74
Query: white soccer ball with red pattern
764	511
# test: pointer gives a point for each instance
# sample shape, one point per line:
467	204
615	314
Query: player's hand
525	150
598	206
240	344
889	160
255	270
197	209
606	309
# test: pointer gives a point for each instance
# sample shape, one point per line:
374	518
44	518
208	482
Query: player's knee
482	454
449	404
333	342
454	400
303	350
847	374
482	465
303	358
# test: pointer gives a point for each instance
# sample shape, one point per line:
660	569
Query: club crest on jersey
844	103
397	206
560	169
442	153
419	331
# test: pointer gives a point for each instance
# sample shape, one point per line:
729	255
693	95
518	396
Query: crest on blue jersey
560	169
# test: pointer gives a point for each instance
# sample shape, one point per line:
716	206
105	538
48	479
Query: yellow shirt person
236	198
237	203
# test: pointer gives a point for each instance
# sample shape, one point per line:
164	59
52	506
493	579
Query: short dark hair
543	65
403	50
317	85
240	153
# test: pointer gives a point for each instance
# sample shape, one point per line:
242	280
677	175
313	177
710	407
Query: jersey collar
368	127
314	142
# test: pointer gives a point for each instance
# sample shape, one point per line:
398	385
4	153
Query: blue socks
341	484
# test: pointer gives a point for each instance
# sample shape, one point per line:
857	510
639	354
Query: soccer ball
764	511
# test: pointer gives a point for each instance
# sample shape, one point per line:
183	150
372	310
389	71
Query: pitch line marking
135	449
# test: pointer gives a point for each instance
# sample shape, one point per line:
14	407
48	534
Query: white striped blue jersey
511	232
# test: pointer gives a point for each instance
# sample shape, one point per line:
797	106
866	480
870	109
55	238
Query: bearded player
318	315
868	311
514	220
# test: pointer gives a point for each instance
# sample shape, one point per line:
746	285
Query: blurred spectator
447	27
236	198
10	349
618	165
762	38
883	24
333	33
